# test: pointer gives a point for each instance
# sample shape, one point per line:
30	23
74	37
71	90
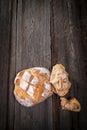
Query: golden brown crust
59	79
32	83
62	93
72	104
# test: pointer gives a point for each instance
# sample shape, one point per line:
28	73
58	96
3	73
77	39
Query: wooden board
31	48
5	37
69	47
43	33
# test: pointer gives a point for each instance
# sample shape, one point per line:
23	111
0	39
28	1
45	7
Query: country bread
32	86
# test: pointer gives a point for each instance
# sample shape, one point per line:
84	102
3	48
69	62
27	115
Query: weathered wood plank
12	71
68	48
5	22
30	47
25	42
83	64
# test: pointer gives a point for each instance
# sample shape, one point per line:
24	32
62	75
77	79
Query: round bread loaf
32	86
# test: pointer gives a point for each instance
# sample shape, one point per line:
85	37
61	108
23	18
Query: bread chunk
59	80
72	104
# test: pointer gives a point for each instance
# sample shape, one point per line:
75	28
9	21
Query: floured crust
72	104
59	79
32	86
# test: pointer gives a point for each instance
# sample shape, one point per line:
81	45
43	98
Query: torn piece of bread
72	104
32	86
59	80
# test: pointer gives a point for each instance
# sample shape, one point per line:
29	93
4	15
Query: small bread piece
72	104
32	86
59	79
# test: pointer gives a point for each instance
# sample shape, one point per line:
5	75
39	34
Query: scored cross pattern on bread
32	85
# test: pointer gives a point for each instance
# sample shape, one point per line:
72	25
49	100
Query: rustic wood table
43	33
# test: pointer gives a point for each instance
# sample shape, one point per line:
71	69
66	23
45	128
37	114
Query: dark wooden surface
43	33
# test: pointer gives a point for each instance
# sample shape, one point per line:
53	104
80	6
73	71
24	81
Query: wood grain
30	46
68	48
43	33
5	36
